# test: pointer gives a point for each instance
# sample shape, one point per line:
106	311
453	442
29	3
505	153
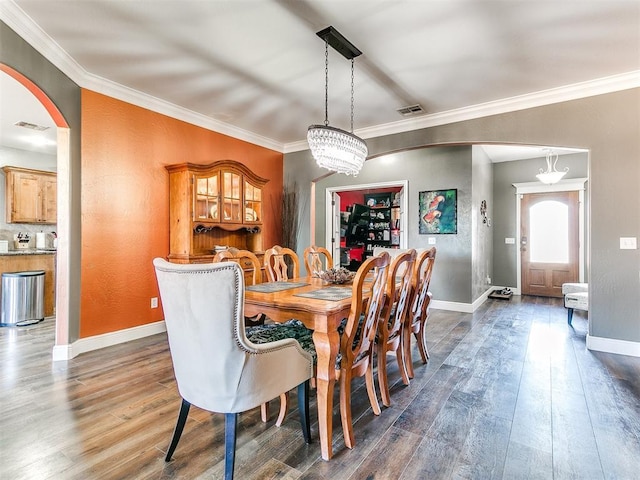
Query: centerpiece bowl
337	276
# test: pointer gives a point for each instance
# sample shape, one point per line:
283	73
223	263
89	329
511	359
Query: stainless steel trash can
22	298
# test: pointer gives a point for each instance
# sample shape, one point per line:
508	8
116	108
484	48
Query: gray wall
434	168
482	238
608	125
19	55
505	174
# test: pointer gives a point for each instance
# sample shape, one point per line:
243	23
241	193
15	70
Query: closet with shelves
372	220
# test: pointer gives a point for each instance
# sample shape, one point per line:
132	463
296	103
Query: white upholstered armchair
216	367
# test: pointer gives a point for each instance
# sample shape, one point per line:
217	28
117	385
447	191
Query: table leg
327	345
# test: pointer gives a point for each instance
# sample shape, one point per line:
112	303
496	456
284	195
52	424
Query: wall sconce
483	213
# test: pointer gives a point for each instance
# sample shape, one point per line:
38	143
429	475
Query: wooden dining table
282	301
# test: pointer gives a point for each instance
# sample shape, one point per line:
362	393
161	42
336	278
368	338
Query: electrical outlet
510	241
488	279
628	243
432	240
154	302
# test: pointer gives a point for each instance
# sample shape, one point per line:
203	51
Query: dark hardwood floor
510	392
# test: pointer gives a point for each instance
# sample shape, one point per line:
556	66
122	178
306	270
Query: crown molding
126	94
24	26
566	93
31	32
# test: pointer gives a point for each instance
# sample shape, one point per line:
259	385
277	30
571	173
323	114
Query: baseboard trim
612	345
67	352
468	307
62	352
481	299
451	306
459	306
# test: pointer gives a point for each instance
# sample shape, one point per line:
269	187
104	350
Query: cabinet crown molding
221	164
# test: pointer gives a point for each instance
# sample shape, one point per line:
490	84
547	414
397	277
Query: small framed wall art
438	211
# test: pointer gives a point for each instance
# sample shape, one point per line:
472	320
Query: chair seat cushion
271	332
574	287
577	300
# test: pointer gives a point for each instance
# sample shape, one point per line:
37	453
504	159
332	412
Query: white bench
576	296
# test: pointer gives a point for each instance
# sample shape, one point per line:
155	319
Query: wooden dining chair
419	314
251	265
281	264
246	259
357	342
317	259
357	337
393	321
216	367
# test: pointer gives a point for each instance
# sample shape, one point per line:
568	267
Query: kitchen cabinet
219	204
31	196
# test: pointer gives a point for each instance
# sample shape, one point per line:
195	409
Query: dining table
321	308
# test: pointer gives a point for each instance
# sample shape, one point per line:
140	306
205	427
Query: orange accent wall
125	203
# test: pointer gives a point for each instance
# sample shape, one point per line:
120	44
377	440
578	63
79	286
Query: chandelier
334	148
551	175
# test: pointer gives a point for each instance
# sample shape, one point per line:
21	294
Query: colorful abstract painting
438	211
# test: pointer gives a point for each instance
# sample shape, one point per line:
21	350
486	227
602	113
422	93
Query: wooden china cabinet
220	204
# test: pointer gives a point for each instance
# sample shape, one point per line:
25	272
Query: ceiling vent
410	110
31	126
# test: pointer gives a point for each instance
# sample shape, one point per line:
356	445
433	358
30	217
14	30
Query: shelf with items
379	228
216	204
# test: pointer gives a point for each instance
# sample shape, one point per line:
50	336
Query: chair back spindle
276	263
317	259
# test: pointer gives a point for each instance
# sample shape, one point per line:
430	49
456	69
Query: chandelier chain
326	83
352	95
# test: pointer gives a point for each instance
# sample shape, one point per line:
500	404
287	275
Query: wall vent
31	126
410	110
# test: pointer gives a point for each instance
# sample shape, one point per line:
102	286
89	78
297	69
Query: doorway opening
551	235
362	217
63	162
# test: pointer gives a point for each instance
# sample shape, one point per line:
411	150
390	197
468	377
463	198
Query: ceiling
254	69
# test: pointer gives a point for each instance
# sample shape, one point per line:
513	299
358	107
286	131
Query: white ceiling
255	68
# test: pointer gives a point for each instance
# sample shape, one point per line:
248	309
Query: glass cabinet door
252	203
206	198
232	198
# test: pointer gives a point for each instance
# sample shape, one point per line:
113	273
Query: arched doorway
63	202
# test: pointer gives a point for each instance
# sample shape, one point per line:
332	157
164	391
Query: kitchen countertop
29	251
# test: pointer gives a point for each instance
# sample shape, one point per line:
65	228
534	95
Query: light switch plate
628	243
510	241
432	240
